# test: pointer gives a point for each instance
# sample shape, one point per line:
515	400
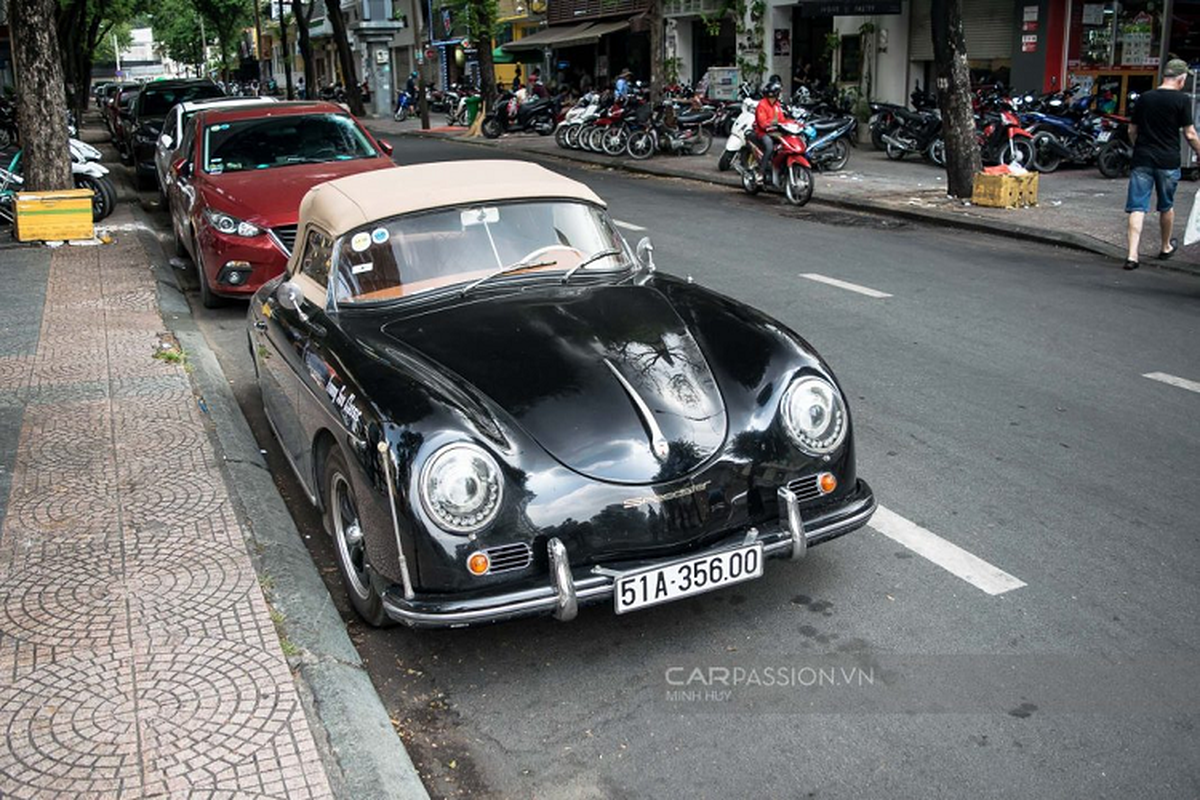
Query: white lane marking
950	557
629	226
1182	383
851	287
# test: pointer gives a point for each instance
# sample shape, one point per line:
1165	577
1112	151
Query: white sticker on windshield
379	235
358	269
360	242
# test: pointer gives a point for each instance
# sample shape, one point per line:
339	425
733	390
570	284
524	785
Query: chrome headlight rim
444	518
230	225
806	442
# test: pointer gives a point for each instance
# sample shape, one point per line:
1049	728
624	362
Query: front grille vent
509	557
805	489
286	236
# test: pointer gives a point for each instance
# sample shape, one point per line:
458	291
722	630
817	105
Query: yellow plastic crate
1005	191
52	216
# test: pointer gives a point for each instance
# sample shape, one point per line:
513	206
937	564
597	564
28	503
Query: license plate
650	587
1103	136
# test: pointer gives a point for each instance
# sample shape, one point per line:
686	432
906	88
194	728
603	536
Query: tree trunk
483	44
654	13
41	101
306	51
287	53
333	8
954	97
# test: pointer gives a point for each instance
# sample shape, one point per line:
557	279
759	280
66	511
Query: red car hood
271	197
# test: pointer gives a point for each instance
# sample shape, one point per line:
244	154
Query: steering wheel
533	256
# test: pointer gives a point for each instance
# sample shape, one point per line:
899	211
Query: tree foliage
479	18
82	25
177	31
225	20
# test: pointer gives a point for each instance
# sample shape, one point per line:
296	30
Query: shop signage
841	8
1031	14
1029	43
783	42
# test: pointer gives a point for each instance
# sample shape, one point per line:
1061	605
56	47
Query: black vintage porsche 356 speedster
503	410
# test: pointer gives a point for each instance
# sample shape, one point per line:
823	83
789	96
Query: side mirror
386	147
645	253
290	297
165	141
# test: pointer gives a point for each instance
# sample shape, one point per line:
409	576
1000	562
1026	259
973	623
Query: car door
168	141
295	368
181	194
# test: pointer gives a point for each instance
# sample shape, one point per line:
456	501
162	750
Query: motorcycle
789	171
743	126
404	104
670	132
85	174
1116	152
830	150
917	132
573	120
510	116
1002	139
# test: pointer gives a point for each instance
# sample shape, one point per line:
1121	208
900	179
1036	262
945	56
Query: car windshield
157	102
281	141
416	253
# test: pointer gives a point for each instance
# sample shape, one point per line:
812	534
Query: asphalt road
1000	405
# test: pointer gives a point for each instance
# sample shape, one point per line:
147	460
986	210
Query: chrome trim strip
566	605
658	442
386	456
274	237
790	508
599	586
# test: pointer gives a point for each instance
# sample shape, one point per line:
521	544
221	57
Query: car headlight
814	415
231	225
461	488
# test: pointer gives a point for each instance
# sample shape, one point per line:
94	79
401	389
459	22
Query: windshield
415	253
157	102
269	142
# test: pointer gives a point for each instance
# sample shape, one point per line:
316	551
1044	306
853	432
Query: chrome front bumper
569	588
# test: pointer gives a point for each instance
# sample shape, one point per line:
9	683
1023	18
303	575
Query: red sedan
239	179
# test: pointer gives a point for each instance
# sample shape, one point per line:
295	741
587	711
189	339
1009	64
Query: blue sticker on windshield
379	235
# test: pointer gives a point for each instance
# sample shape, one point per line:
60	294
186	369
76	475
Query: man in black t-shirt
1158	118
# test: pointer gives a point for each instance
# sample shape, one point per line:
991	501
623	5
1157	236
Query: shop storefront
988	26
700	35
1114	48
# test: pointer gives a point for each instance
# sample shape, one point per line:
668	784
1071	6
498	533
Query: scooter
829	150
86	174
742	126
574	118
789	171
510	116
404	104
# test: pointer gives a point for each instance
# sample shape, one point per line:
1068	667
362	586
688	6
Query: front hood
608	380
271	197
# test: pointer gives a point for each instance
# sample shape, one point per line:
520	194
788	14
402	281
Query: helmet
772	89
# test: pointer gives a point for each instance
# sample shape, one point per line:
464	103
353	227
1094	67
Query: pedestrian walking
516	81
1158	117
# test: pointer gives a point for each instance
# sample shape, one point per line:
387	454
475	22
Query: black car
145	119
503	411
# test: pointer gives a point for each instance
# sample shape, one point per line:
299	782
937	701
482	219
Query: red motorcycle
789	172
1002	140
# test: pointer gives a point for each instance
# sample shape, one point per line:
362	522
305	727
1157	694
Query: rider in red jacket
767	116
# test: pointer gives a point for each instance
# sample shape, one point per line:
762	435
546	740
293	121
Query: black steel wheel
344	523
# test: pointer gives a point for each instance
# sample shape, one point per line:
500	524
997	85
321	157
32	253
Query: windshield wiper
594	257
520	265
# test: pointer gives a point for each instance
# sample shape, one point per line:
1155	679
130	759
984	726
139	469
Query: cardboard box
1005	191
54	216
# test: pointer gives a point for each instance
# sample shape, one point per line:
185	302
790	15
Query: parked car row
232	172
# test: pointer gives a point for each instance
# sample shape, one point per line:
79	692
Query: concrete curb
1075	241
361	752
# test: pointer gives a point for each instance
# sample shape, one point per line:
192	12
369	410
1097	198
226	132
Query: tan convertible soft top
346	203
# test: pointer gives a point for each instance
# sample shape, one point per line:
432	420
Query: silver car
176	123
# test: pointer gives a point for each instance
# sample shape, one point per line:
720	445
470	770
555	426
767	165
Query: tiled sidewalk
137	654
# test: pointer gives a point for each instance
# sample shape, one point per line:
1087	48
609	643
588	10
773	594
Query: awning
567	36
550	37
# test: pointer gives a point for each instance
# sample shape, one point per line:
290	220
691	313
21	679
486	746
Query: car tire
343	523
208	298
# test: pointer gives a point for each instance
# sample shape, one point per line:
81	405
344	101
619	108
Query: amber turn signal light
827	482
478	564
